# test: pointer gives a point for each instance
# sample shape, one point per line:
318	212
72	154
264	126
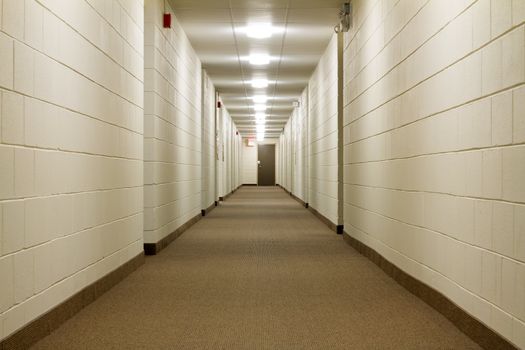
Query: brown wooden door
266	165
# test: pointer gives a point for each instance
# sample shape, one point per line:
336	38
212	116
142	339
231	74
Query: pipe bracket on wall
345	18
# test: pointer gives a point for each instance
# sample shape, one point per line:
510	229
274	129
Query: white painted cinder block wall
300	141
322	135
249	163
208	141
287	154
294	151
229	154
172	126
71	111
434	154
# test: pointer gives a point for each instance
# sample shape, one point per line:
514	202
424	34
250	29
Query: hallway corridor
259	272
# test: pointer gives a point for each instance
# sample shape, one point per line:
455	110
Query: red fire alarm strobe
167	20
219	104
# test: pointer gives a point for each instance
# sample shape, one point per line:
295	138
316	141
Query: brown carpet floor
260	272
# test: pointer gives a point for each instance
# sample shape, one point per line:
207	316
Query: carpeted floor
260	272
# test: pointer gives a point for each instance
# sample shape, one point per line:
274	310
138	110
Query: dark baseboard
51	320
206	211
477	331
154	248
222	199
336	228
303	203
249	184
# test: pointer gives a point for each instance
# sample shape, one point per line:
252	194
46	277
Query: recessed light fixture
259	108
260	116
260	99
259	30
259	83
259	128
260	136
259	59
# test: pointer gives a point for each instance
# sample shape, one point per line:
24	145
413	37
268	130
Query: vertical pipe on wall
340	147
204	94
217	146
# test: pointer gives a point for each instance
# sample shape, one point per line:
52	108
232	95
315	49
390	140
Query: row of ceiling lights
260	31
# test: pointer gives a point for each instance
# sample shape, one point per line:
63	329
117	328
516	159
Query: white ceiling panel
201	4
313	15
259	4
305	4
250	15
190	15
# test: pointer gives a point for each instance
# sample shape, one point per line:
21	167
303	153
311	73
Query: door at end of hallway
266	165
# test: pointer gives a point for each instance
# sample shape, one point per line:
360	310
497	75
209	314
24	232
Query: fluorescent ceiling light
259	83
260	137
260	128
260	116
260	99
259	59
259	108
259	30
260	121
262	30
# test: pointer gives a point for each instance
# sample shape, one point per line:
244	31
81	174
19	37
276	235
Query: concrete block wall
279	178
434	149
172	126
309	149
248	163
294	151
300	161
71	112
323	194
224	133
286	147
237	165
229	153
208	142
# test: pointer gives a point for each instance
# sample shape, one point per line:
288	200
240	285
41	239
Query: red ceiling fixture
167	20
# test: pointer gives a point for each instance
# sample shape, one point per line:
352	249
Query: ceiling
217	31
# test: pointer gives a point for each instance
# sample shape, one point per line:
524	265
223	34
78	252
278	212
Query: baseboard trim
249	184
336	228
38	329
303	203
477	331
206	211
155	248
222	199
